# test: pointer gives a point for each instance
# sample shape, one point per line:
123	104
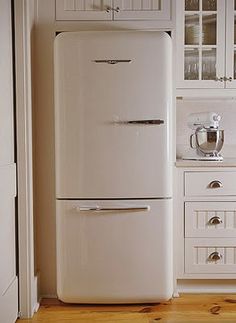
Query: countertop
226	162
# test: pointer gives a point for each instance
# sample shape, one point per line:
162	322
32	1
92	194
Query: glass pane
192	30
209	29
209	64
234	29
235	64
191	64
192	5
209	5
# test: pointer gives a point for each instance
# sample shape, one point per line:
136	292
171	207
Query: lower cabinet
206	223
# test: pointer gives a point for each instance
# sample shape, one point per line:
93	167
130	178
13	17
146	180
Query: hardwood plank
187	308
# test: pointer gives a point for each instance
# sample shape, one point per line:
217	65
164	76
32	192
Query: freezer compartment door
114	251
112	104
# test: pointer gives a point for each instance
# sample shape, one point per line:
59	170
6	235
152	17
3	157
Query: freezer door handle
112	209
143	122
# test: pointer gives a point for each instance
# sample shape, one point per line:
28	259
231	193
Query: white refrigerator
113	99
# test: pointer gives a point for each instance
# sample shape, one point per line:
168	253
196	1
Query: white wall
225	107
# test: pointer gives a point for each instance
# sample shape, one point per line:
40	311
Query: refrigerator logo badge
112	61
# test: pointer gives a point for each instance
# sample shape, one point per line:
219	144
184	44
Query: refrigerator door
112	255
112	106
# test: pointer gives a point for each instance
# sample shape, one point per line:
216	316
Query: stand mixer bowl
208	141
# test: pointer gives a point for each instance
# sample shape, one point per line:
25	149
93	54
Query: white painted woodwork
8	277
198	214
83	10
195	239
142	10
125	10
197	252
114	257
25	18
198	183
220	48
230	46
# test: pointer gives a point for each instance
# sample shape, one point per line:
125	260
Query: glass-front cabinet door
230	76
200	43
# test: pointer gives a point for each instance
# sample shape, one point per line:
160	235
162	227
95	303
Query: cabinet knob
219	79
215	184
230	79
108	9
214	256
215	220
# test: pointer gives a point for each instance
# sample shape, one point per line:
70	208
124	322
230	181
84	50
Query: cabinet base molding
204	286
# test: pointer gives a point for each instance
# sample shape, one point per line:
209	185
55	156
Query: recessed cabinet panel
210	183
83	10
141	9
113	10
210	219
212	256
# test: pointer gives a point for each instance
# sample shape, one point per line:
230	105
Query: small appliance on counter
207	139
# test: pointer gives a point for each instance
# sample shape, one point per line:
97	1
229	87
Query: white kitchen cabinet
113	10
206	44
205	223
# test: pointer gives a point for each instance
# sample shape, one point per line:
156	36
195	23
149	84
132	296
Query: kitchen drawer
210	219
199	254
210	183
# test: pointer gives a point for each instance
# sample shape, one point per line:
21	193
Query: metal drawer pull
214	256
215	220
111	209
215	184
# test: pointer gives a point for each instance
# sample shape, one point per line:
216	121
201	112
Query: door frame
24	16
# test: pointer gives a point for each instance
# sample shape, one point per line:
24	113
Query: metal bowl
209	141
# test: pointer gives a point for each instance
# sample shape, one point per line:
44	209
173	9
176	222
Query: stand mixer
207	140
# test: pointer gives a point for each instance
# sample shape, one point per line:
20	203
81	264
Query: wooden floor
187	308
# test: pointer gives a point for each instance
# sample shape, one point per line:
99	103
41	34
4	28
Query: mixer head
204	120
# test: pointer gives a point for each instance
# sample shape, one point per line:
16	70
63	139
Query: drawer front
210	219
211	256
210	183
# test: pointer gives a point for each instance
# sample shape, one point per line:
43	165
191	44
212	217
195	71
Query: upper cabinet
206	43
113	10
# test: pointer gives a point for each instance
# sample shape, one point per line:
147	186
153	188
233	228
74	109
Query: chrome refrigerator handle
142	122
112	209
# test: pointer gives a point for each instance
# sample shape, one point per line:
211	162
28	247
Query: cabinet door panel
210	219
231	43
200	43
83	10
142	10
210	256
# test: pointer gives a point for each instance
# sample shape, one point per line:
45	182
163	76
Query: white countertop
226	162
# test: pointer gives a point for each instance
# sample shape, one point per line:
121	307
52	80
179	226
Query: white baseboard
35	296
204	286
48	296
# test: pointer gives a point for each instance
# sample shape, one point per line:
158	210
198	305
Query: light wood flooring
186	308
